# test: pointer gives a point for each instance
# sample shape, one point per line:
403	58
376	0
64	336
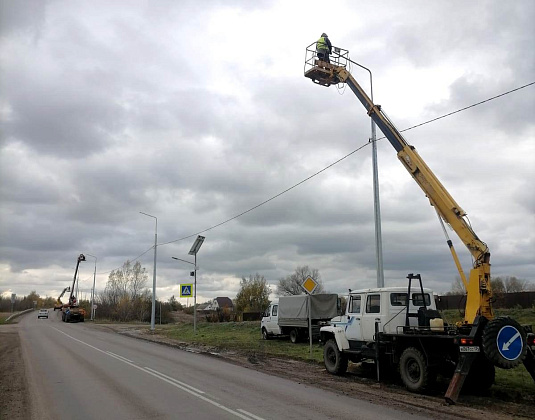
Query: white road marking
175	380
250	414
120	357
184	387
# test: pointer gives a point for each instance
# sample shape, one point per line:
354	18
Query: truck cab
270	321
384	307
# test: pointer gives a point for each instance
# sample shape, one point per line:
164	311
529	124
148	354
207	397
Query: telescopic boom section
72	299
478	285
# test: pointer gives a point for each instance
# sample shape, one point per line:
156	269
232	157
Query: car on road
43	313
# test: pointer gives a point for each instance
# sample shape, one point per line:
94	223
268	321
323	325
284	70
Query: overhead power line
269	199
328	167
338	161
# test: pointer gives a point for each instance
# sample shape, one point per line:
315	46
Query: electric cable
135	259
338	161
324	169
269	199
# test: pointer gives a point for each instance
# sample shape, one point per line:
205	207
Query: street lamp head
196	245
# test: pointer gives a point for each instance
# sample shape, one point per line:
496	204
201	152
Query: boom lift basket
321	72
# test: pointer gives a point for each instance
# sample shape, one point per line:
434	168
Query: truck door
371	315
271	320
354	314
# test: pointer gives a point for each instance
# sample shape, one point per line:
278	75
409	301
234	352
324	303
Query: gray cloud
194	116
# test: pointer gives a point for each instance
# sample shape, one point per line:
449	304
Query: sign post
13	295
309	285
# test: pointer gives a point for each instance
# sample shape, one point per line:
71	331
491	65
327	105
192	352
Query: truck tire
294	335
335	361
415	373
480	377
265	334
506	333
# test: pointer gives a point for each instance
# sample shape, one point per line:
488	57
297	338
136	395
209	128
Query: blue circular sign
509	342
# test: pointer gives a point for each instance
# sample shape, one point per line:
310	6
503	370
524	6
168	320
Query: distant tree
253	295
291	285
497	285
514	285
457	287
126	297
175	304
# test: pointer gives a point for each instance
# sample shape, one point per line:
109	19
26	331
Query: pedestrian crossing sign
186	290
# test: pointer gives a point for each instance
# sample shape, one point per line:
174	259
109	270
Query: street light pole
195	288
93	290
376	203
193	251
153	311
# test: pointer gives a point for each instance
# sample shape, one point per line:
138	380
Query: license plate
469	349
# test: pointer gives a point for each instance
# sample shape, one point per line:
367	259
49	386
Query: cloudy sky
197	111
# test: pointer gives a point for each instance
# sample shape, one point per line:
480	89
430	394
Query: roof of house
224	302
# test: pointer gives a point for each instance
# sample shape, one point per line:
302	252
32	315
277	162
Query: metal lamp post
153	310
376	203
93	289
194	315
193	251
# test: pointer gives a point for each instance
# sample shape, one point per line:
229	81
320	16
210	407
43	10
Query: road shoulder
14	391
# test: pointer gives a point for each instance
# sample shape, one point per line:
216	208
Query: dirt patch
14	395
358	382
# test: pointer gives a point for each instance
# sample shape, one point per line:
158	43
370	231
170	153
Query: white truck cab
270	321
386	307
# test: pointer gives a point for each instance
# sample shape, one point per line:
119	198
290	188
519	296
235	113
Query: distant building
220	303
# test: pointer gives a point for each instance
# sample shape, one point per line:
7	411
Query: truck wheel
504	342
480	377
413	369
294	335
265	334
335	361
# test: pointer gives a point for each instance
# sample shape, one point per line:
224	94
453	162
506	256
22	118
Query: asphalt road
80	371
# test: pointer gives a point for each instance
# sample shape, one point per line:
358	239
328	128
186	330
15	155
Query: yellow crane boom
477	286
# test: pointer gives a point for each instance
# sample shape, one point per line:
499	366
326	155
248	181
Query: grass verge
513	384
244	337
4	316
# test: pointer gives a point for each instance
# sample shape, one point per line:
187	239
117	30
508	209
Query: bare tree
457	287
125	296
497	285
291	285
514	285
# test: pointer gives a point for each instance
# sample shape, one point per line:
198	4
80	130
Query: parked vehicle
43	313
470	349
71	312
290	316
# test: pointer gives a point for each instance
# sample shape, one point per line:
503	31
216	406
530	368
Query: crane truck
402	330
59	304
72	311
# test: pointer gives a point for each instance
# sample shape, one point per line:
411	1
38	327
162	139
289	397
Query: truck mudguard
339	334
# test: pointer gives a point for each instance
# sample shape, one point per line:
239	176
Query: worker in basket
324	48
